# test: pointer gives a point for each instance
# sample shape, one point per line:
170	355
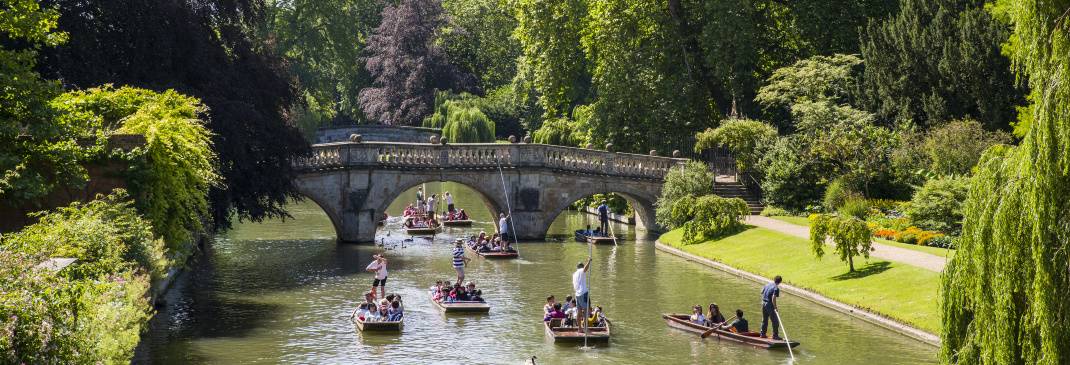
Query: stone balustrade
484	155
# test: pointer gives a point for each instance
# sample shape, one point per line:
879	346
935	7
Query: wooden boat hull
379	326
583	236
462	307
458	223
575	334
494	254
422	231
680	321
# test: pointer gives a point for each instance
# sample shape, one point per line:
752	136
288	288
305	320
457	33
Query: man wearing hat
459	259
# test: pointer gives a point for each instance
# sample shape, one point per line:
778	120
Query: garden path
890	253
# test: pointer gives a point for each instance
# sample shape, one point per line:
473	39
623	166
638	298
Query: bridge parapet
485	155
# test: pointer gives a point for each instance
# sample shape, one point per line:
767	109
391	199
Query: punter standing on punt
769	294
603	218
579	284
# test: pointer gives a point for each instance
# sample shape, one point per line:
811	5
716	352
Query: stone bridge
355	182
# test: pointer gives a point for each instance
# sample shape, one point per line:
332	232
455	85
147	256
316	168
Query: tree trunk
851	263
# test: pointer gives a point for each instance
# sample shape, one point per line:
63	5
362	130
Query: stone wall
377	133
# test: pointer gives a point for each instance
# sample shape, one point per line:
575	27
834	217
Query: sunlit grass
899	291
942	252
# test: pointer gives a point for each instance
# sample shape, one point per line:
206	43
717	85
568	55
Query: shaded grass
942	252
899	291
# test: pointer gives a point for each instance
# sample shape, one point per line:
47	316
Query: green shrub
106	235
851	236
94	310
788	180
712	216
838	192
774	211
854	207
170	176
938	204
942	242
694	179
746	139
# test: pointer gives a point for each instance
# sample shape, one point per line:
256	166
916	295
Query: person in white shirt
503	225
431	205
697	317
579	285
449	202
378	266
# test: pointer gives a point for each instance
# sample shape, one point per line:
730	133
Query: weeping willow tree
467	124
1004	293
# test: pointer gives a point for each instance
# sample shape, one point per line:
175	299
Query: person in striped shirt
459	259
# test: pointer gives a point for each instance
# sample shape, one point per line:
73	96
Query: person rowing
739	325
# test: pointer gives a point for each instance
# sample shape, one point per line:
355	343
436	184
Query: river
282	292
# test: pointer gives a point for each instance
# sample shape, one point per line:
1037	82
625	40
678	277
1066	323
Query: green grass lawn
942	252
902	292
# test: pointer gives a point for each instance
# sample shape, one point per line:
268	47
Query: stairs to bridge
728	187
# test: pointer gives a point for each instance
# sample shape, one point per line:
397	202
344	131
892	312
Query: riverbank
897	296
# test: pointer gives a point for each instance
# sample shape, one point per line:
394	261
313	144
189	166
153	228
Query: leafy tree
850	235
560	132
832	26
645	98
552	64
746	139
831	79
936	60
479	40
37	154
693	179
1003	292
743	42
204	50
466	124
407	64
937	206
321	40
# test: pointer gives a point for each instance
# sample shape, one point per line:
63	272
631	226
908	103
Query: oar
786	340
714	329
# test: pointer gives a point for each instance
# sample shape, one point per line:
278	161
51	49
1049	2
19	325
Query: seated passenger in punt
739	325
443	292
555	312
366	311
696	316
597	318
549	306
462	215
715	318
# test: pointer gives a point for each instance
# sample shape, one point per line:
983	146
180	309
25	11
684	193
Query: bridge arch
356	182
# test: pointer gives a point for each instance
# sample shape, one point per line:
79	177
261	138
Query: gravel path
890	253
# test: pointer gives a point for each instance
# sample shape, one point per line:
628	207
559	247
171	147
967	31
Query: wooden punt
423	231
492	254
457	223
583	235
575	334
680	321
462	307
384	326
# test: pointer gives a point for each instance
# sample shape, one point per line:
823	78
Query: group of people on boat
714	318
457	215
569	312
418	221
389	309
492	243
443	292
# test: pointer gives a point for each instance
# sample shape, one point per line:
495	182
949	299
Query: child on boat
549	306
598	318
554	313
696	315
